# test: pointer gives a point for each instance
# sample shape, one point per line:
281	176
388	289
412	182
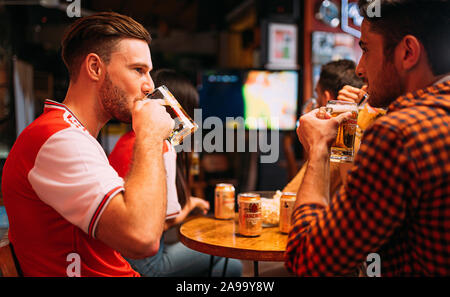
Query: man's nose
359	70
148	85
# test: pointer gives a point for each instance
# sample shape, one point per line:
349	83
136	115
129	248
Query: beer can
287	202
250	215
224	201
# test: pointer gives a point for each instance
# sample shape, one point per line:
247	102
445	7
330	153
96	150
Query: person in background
70	213
174	259
337	81
396	202
334	76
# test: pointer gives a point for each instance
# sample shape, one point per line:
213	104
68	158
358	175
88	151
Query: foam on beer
343	108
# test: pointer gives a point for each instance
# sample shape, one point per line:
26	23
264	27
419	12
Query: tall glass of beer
343	147
184	125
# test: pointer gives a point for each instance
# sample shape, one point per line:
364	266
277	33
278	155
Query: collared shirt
56	183
396	202
121	158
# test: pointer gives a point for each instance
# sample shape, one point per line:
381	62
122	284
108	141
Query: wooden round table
221	238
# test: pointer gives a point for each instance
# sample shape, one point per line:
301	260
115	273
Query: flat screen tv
220	94
270	99
265	99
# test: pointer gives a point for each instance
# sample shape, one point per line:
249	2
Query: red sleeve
122	154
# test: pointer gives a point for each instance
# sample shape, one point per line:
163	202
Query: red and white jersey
121	159
170	164
56	182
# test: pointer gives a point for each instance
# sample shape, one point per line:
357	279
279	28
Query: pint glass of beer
184	125
343	147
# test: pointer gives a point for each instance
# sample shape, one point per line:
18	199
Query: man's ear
94	66
328	96
410	52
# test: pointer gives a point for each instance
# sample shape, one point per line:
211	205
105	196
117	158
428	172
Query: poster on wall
282	46
328	46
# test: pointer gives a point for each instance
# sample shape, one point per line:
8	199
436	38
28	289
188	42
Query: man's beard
115	101
389	86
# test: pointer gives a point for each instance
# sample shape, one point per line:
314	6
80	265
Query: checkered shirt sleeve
396	202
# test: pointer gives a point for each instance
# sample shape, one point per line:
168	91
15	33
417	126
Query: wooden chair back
9	266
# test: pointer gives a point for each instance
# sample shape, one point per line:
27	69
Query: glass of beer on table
184	125
342	149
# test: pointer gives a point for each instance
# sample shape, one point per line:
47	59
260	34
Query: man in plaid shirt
397	199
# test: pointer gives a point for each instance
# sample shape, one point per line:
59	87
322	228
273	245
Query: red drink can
250	215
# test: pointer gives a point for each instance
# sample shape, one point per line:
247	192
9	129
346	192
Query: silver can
287	202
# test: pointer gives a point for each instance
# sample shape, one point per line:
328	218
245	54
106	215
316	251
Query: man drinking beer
337	81
396	202
60	192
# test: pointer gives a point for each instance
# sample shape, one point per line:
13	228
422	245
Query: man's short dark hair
427	20
98	33
335	75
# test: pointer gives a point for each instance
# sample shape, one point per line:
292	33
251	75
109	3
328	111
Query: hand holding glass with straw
342	149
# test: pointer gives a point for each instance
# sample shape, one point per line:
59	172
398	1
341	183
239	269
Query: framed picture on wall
279	45
329	46
282	39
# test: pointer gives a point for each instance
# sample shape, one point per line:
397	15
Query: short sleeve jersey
121	159
56	183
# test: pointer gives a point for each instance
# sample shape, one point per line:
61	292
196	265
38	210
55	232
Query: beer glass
343	147
184	125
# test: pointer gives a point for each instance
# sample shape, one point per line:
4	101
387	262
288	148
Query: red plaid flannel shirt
396	202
